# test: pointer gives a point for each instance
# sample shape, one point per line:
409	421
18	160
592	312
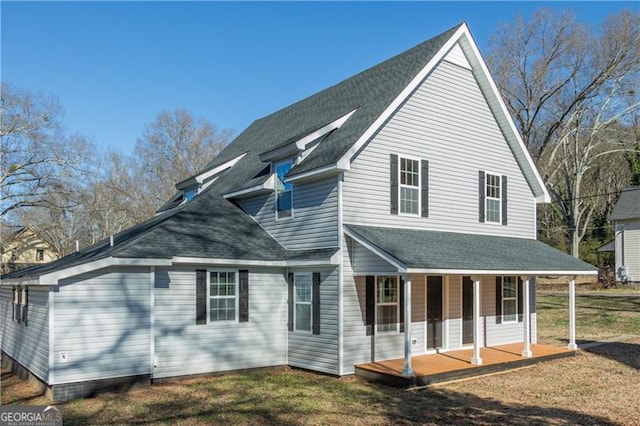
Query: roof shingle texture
449	250
213	227
628	205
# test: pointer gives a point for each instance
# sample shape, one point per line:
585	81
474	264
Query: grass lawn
599	386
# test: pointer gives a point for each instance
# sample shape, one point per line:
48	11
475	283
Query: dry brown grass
599	386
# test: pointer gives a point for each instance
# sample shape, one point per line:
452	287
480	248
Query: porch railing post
477	332
526	319
407	371
572	315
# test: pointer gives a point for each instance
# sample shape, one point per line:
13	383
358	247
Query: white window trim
487	198
274	168
502	299
295	302
400	185
237	296
397	304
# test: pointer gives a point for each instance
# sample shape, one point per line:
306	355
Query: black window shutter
481	194
520	299
13	305
370	296
504	200
290	300
401	299
316	302
243	284
18	304
394	183
425	188
201	296
498	300
25	307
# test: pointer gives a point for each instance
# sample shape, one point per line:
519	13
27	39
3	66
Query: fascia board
53	277
436	271
267	186
180	260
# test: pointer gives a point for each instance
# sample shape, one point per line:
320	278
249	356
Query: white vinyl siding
315	220
448	121
184	348
102	324
27	344
319	352
629	254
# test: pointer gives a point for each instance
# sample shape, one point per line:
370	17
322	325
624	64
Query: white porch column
407	371
477	332
526	319
572	315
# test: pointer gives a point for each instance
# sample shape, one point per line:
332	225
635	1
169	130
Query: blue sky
115	65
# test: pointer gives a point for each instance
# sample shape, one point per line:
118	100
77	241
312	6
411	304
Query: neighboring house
626	218
391	214
25	248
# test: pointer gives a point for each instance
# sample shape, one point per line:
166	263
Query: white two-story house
390	215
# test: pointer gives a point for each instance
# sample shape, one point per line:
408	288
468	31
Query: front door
434	312
467	310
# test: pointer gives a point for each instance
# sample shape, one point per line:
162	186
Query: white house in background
626	218
390	215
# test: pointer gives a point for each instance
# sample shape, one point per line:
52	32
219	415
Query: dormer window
284	190
189	194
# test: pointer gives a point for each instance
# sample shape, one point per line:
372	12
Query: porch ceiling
419	251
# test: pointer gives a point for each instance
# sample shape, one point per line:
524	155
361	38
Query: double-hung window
302	301
284	190
222	296
39	255
509	299
409	186
387	307
493	198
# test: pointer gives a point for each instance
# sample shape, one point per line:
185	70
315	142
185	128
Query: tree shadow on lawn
622	352
321	400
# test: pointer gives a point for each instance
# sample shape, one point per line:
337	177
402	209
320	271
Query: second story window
409	186
284	191
39	255
409	190
493	198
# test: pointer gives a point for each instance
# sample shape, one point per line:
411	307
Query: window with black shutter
243	284
492	189
409	186
201	296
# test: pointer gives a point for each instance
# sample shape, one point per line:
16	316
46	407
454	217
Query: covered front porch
454	365
464	304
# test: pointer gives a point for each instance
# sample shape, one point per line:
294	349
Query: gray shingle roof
212	227
628	205
370	91
447	250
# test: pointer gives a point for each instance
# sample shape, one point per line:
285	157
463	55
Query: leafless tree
37	158
172	148
568	87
